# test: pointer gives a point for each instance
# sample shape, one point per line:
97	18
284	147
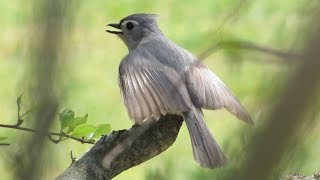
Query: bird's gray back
167	52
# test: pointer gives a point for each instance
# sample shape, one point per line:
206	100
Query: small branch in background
4	144
246	45
48	134
69	125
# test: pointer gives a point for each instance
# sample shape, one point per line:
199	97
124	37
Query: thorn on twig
83	140
73	159
19	122
53	140
19	105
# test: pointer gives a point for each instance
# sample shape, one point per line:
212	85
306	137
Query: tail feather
206	150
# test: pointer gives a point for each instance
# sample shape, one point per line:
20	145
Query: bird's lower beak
117	26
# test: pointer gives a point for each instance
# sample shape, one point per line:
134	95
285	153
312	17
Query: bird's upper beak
117	26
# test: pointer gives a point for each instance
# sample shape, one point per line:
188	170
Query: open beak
117	26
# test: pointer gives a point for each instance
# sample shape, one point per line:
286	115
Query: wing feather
155	90
208	91
134	94
148	94
143	100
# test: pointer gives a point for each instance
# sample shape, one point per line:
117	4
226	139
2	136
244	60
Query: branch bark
155	140
316	176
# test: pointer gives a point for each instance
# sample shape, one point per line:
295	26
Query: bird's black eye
130	25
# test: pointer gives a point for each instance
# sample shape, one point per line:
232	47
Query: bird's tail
206	150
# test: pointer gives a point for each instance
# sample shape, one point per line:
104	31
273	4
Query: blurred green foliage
90	75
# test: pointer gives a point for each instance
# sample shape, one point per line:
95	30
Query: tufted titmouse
158	77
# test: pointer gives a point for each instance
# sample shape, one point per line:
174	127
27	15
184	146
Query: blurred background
89	71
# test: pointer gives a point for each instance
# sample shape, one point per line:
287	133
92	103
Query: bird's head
132	29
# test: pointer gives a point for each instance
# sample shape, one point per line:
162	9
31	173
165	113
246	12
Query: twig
4	144
232	16
73	159
53	140
249	46
26	113
48	134
19	122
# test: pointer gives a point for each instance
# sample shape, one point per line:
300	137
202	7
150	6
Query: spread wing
208	91
151	89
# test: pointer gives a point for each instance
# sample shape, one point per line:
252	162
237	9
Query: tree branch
49	134
156	139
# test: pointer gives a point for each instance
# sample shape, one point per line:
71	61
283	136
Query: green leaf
66	117
102	129
83	130
3	138
76	122
90	136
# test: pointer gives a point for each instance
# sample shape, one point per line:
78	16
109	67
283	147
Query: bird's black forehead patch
121	21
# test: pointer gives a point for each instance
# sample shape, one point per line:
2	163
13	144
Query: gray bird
158	77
